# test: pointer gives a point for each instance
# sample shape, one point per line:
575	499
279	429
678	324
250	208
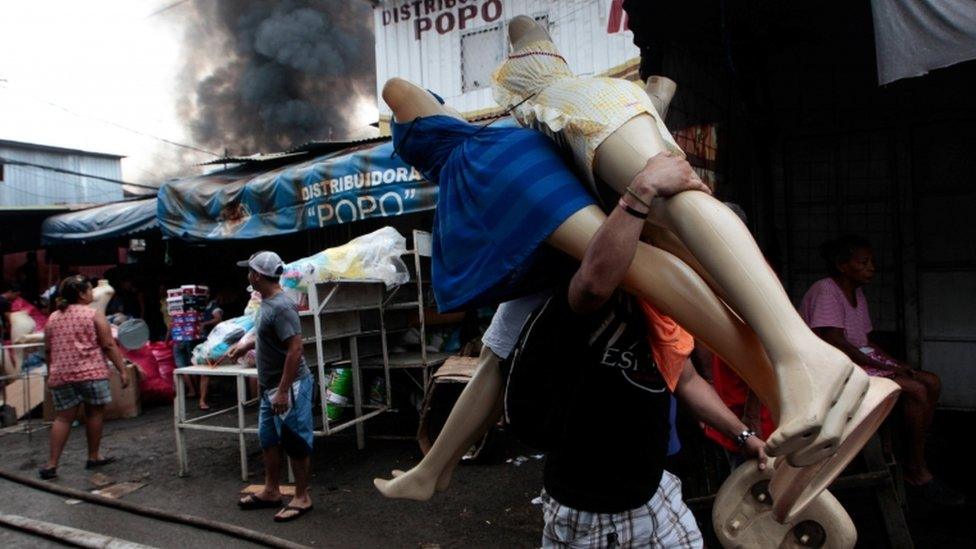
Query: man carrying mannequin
605	417
285	415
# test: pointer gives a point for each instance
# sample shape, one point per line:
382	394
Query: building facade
27	179
451	47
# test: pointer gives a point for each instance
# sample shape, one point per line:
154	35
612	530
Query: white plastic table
181	423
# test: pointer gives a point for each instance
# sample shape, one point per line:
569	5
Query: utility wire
70	172
161	10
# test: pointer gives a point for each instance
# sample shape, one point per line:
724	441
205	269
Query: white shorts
664	521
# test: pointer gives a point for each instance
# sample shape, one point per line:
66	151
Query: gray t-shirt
506	326
277	323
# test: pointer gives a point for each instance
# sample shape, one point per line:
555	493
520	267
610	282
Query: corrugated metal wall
31	186
433	59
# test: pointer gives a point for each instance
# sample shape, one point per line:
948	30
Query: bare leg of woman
94	419
60	430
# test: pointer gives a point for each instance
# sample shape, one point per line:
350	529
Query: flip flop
92	463
301	511
251	502
47	473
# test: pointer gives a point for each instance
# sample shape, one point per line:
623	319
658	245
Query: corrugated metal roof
310	148
251	158
50	148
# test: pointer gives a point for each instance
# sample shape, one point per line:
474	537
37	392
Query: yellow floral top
576	112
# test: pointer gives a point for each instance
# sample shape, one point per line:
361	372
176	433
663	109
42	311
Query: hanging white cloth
913	37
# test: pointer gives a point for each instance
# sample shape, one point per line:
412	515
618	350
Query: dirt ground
489	504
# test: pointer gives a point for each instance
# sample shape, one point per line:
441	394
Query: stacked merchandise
186	305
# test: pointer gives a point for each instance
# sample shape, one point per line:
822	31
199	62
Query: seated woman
837	311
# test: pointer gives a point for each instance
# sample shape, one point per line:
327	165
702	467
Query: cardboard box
125	402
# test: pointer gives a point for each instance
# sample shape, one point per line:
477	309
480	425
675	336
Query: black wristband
636	213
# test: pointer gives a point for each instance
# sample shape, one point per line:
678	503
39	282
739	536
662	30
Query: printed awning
257	199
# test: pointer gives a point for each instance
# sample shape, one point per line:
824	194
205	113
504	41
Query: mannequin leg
476	406
812	376
670	285
677	291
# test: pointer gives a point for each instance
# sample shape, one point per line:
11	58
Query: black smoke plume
267	75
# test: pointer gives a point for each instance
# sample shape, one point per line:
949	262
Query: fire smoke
266	75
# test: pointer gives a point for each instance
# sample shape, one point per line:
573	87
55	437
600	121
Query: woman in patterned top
78	340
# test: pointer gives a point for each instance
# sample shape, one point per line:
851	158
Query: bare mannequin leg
813	377
815	380
659	277
656	275
477	404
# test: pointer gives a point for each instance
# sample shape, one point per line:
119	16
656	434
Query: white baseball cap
266	263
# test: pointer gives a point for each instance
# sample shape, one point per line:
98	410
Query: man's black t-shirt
610	455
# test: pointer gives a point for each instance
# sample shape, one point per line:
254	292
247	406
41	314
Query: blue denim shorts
293	431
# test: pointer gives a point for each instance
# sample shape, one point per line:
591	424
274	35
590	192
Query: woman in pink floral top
78	339
836	310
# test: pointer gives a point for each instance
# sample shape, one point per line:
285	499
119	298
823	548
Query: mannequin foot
812	389
443	481
406	485
836	421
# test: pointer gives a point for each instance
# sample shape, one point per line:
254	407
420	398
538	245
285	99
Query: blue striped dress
501	192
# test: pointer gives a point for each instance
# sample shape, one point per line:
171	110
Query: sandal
251	502
92	463
47	473
301	511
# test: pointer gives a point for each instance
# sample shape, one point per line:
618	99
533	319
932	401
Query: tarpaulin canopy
112	220
253	200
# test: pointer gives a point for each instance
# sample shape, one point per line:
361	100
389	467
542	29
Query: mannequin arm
696	393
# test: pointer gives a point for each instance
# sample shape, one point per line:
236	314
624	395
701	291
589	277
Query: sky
100	75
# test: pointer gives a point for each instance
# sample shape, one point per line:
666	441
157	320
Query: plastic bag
372	256
221	338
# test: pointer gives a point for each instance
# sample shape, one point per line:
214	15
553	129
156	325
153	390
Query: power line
6	84
70	172
161	10
33	173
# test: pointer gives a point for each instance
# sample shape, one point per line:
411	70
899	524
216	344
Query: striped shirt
826	306
75	352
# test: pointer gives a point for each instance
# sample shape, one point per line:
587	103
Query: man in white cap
285	414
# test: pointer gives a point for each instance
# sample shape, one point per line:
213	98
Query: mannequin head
850	259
